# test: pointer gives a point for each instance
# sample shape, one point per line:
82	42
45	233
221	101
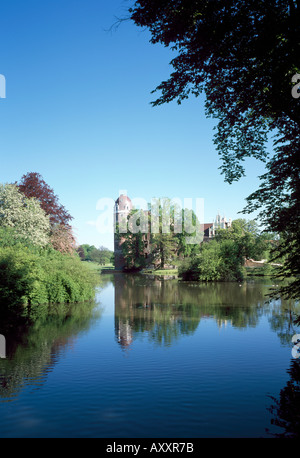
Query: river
154	358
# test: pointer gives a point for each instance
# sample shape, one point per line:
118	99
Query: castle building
218	223
123	207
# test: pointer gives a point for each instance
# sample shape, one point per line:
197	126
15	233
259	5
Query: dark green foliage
243	56
133	244
217	261
9	237
252	243
164	246
34	273
133	250
30	276
223	258
232	261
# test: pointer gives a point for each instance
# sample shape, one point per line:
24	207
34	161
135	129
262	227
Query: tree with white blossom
24	215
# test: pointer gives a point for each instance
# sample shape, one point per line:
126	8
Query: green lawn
97	268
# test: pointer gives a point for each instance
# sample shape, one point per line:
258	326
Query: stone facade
218	223
123	207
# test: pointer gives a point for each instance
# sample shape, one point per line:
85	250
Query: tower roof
123	199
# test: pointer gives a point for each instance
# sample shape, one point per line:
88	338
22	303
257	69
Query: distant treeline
100	255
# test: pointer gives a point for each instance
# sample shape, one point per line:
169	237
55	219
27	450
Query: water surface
154	358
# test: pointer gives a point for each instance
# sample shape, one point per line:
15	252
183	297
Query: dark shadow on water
35	342
286	407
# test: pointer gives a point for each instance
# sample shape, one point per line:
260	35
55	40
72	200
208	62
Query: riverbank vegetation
225	257
221	258
38	260
32	276
143	247
225	50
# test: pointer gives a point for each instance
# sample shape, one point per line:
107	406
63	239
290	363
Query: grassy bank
97	268
161	271
264	271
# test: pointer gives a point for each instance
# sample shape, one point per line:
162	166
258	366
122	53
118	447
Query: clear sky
77	111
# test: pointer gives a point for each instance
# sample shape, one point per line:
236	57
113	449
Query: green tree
253	243
101	255
133	241
232	261
37	276
85	251
191	229
133	250
205	266
245	234
170	229
245	57
163	248
216	261
23	215
164	243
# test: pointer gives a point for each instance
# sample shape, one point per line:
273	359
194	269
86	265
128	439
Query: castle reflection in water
165	310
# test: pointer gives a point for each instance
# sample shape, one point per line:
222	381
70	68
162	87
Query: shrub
32	276
217	261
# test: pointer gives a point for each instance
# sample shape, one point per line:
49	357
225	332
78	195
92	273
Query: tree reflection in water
167	310
34	344
286	409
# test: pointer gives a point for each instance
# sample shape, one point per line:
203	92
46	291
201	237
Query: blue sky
77	111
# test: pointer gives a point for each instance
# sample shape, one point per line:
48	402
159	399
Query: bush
217	261
32	276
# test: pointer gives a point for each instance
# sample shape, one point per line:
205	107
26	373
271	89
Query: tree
24	217
62	238
85	251
133	241
173	227
190	228
101	255
164	243
245	57
133	249
105	255
217	261
163	248
33	185
246	235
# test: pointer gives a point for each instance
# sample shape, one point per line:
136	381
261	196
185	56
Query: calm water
154	358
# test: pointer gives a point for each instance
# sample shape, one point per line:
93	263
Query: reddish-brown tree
33	185
62	239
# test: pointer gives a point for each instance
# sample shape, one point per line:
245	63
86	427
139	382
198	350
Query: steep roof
122	198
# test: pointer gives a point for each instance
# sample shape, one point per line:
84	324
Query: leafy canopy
33	185
24	217
244	56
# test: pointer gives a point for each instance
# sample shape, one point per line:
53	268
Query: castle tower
122	208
